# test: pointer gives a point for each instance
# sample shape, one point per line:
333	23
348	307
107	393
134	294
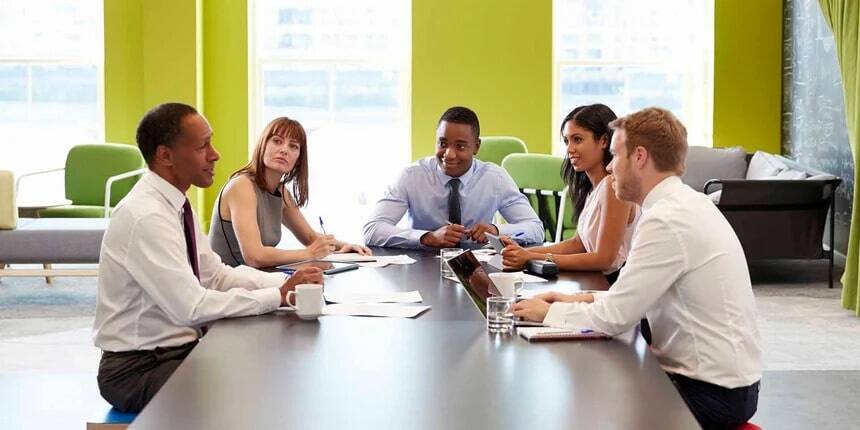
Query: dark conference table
441	370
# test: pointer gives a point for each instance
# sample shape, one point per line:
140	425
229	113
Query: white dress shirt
687	273
148	295
422	190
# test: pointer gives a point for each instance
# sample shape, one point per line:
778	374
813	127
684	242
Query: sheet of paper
374	297
384	260
375	310
350	257
529	278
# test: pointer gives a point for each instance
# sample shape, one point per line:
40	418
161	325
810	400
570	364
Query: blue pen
287	270
322	227
518	234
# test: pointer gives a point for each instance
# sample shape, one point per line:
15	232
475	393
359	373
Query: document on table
375	297
375	310
384	260
349	257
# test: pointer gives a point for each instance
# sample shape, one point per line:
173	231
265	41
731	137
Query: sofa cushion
821	177
764	166
791	174
703	164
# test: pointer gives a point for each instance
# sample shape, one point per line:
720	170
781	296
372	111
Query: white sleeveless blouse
588	226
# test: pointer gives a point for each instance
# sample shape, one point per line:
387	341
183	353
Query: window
341	68
51	56
630	54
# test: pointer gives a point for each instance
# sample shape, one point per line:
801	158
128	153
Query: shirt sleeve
519	214
382	229
159	264
657	259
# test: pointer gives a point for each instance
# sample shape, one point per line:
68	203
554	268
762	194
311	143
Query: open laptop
474	277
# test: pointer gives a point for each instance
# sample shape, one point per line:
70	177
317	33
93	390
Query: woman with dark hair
249	211
604	224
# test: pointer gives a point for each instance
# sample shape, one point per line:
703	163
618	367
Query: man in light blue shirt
451	197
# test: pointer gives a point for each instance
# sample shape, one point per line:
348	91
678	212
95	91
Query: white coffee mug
309	300
508	284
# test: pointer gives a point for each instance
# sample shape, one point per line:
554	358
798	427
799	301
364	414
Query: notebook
536	334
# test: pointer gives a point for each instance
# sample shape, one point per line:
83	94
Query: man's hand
476	232
447	236
532	309
555	296
305	275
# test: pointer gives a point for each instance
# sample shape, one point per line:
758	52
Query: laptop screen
474	277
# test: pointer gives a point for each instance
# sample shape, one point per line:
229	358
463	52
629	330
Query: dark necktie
190	241
454	202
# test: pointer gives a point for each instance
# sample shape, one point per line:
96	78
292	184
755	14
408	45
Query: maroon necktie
190	241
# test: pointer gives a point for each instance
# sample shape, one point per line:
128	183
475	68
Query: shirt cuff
272	280
599	295
270	299
555	316
413	237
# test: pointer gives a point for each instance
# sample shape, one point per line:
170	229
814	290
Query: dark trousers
128	380
717	407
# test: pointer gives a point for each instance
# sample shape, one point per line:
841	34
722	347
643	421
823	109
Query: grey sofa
778	208
45	240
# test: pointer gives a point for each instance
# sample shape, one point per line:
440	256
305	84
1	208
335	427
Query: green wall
748	74
492	56
495	57
225	88
123	69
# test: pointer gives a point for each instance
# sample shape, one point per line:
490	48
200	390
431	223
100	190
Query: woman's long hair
288	129
594	118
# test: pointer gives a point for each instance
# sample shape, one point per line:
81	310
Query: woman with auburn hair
255	202
605	224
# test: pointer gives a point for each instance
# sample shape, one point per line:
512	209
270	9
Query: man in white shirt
159	282
686	272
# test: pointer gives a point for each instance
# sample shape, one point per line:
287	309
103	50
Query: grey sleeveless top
222	238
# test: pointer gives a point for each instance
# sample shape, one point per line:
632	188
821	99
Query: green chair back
88	168
494	149
538	176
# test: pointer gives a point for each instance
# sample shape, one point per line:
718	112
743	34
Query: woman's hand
323	246
349	247
515	256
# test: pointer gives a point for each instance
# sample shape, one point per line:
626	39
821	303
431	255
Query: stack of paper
387	297
384	260
374	310
374	304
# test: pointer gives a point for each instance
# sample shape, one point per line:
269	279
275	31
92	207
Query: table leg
48	279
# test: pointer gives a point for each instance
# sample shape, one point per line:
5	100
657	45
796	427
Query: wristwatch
548	257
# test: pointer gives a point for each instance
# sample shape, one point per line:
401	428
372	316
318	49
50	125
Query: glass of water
444	255
500	314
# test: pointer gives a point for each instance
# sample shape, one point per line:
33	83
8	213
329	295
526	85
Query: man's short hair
160	126
462	115
660	133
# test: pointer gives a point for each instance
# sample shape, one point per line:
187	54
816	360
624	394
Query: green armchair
538	176
97	177
494	149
